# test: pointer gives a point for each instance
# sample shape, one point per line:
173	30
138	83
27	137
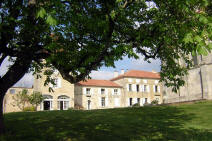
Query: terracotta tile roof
138	74
98	83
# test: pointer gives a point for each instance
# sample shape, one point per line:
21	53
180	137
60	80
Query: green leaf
203	19
41	13
50	20
188	38
202	50
197	38
194	53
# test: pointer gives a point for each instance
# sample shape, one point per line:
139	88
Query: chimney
115	74
122	71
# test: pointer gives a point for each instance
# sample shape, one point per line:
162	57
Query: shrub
154	102
29	109
71	108
136	105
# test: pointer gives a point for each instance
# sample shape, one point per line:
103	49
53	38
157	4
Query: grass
191	122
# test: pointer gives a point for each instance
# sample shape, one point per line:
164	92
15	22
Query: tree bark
2	127
13	75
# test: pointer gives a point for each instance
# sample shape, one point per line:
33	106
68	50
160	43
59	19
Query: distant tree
21	99
35	99
78	36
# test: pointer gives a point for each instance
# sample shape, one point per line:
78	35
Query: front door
61	105
46	105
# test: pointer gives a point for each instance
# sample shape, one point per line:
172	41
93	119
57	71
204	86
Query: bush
154	102
71	108
29	109
136	105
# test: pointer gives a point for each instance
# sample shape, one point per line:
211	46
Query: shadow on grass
128	124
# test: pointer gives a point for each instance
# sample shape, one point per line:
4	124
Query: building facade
198	82
123	90
139	87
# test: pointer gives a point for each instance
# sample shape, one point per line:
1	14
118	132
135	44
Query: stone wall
198	83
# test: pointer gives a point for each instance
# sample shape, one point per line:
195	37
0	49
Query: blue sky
103	73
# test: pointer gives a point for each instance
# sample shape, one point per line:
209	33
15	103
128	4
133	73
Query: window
156	88
116	91
130	100
103	101
12	91
145	88
56	83
146	100
130	87
88	90
102	91
137	88
138	100
63	102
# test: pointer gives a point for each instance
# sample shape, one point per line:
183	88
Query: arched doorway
47	102
63	102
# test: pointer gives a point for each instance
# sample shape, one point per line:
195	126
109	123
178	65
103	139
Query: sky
105	73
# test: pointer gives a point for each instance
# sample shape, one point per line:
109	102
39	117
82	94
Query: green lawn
189	122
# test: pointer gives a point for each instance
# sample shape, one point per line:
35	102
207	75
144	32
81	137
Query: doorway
61	105
46	105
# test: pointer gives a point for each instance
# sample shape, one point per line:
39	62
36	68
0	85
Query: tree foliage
35	99
21	99
78	36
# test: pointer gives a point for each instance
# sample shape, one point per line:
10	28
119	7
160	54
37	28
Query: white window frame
104	91
87	92
115	91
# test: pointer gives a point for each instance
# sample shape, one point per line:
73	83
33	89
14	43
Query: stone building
123	90
139	86
62	96
9	104
198	82
98	94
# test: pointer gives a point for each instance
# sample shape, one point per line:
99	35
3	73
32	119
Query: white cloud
104	75
140	64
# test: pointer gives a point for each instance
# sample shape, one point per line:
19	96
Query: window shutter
128	102
134	101
99	90
159	89
154	88
59	83
106	101
143	101
106	91
100	102
119	91
84	91
92	91
127	86
112	91
133	87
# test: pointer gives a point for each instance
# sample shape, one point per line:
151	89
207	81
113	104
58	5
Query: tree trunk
2	127
13	75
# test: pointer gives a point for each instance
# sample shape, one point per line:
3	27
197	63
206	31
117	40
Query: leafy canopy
77	36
